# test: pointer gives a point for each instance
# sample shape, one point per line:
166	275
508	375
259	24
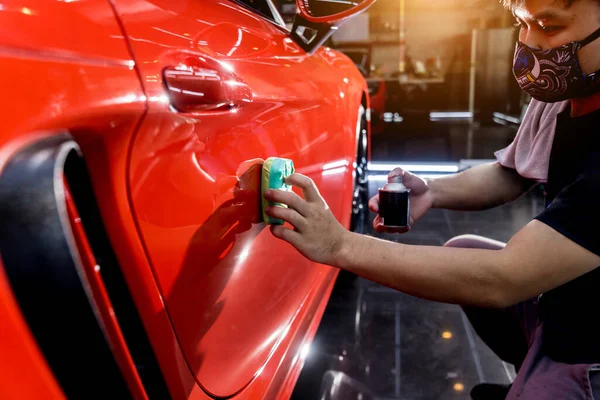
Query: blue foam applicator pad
274	172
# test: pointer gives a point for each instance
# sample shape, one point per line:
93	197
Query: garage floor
376	343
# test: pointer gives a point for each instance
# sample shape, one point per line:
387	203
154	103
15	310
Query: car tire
360	190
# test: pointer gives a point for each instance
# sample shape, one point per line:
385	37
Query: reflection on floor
376	343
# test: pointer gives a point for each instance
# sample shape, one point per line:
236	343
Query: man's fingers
406	175
396	172
374	204
288	215
377	225
290	199
410	178
286	234
379	228
309	189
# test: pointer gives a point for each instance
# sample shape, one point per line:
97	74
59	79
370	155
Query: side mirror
318	19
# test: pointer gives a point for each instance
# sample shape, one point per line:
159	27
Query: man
550	338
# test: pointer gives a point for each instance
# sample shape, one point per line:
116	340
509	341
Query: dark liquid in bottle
394	208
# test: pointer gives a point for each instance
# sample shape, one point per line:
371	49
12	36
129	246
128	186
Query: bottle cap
395	179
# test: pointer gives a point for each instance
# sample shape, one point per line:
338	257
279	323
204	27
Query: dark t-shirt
570	313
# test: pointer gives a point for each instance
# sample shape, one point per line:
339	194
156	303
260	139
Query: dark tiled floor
376	343
436	141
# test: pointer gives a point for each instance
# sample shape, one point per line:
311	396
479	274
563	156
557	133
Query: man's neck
585	105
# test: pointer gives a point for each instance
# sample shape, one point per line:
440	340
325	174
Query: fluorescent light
392	117
378	178
414	167
450	114
384	178
507	118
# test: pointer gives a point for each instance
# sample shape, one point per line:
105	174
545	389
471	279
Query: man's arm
478	188
535	260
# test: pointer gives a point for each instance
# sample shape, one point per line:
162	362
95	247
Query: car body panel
81	30
233	291
67	66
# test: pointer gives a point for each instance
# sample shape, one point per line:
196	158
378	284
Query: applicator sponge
274	172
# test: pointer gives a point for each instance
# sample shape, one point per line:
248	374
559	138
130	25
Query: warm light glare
26	11
447	335
459	387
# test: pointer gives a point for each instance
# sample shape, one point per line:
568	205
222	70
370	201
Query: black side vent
37	251
126	312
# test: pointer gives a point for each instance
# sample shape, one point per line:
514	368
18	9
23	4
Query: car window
266	8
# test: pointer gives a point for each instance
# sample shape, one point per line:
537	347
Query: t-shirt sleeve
529	153
506	156
575	212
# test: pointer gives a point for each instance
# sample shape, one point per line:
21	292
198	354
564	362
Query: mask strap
590	38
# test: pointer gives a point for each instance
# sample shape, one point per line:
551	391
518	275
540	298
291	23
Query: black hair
511	4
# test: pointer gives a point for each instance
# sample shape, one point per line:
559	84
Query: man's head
546	24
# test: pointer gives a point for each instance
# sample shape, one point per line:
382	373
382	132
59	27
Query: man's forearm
478	188
459	276
532	262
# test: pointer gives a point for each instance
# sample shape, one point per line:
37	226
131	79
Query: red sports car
133	259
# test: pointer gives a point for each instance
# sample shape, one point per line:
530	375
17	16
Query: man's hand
316	234
421	198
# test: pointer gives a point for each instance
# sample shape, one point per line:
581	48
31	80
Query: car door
231	290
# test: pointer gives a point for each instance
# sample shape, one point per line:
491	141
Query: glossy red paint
227	308
84	32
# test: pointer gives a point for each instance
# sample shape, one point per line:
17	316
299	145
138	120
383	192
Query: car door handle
198	84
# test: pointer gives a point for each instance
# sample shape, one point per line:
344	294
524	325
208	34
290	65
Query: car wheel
360	194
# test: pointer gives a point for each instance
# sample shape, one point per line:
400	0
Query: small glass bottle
394	204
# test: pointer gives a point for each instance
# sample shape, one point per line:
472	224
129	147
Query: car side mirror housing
318	19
